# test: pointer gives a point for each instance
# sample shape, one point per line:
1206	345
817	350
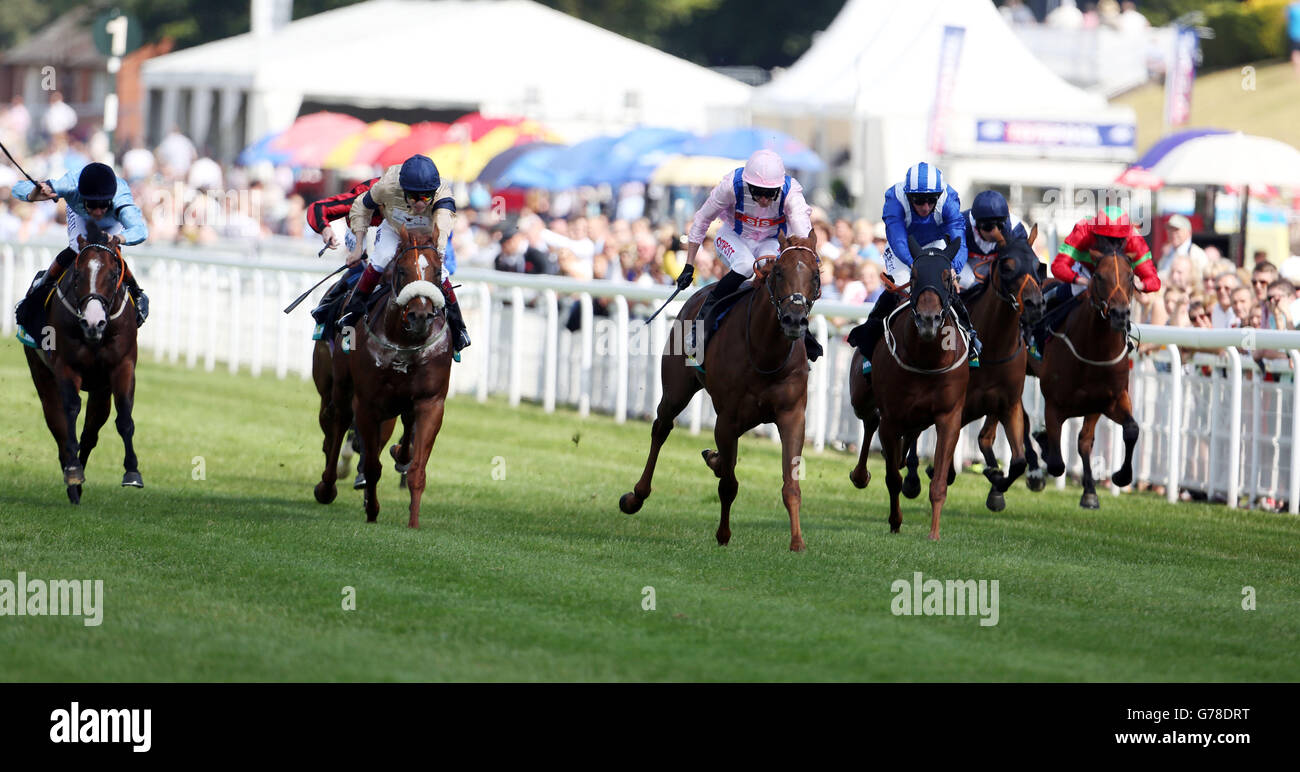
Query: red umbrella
312	137
476	125
422	137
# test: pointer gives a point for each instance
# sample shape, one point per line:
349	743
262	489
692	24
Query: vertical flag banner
949	58
1179	77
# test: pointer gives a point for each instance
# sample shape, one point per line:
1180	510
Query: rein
893	351
78	311
794	297
389	345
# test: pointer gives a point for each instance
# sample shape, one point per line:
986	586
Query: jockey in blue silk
93	194
923	207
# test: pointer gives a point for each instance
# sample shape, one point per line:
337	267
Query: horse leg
791	426
860	476
69	390
988	433
401	452
427	420
891	446
912	483
1054	417
1013	423
1034	479
948	429
335	418
371	428
52	406
123	383
725	469
1121	412
1086	432
679	387
98	405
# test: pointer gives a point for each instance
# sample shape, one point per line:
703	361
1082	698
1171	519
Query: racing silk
1075	252
978	247
944	222
386	196
122	211
325	211
731	202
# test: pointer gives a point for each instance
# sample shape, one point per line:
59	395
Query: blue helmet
419	175
990	205
97	182
923	178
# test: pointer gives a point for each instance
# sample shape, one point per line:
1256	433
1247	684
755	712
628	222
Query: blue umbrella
622	161
502	161
741	143
261	151
531	170
570	167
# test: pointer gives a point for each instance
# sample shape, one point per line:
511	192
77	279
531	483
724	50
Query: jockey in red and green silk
1073	263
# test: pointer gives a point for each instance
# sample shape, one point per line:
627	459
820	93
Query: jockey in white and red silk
754	203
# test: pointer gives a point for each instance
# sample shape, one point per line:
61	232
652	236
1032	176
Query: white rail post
236	319
658	334
213	310
1293	499
516	345
259	332
1234	428
192	287
588	349
621	344
697	411
7	322
1175	429
281	326
550	368
1256	431
822	408
485	338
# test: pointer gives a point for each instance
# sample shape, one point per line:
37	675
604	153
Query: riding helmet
923	178
419	175
97	182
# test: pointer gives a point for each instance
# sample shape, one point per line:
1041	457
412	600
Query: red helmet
1112	221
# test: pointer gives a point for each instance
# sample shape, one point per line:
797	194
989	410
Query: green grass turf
539	576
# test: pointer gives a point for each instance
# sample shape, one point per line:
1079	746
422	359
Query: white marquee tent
497	56
871	78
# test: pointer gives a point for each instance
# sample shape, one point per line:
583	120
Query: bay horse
88	343
395	362
1085	368
755	372
919	378
1006	301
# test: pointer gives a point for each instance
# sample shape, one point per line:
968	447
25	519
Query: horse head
1111	285
793	282
1016	276
95	283
931	285
416	279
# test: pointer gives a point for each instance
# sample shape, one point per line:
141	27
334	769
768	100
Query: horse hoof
325	495
996	502
1089	501
1035	481
401	482
1056	470
860	481
132	480
893	529
1122	478
929	471
629	503
933	537
74	494
74	475
911	486
724	538
360	482
798	546
952	475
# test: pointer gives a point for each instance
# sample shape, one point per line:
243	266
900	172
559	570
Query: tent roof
882	57
442	53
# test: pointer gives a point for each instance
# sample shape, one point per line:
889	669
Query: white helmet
764	169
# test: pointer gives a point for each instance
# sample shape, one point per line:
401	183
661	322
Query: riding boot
963	318
459	332
866	335
138	297
812	346
726	286
29	311
357	306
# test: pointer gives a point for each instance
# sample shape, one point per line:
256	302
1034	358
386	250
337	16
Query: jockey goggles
414	197
758	192
98	204
923	198
988	225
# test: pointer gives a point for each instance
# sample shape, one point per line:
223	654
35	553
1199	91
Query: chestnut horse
919	377
1009	300
395	362
88	344
756	372
1085	368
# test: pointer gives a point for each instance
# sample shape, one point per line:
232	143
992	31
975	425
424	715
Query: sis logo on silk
760	222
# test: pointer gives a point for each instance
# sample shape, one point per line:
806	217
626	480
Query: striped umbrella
422	137
364	147
312	137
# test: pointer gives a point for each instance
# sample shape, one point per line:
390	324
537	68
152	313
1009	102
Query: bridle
797	298
1102	306
79	309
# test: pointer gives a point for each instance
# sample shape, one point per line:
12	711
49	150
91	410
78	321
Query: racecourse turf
537	576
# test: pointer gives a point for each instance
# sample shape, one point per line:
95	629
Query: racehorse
919	378
396	361
1085	368
88	344
1007	299
755	372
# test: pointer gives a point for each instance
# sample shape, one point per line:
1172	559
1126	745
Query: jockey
988	215
931	214
1073	263
97	195
410	195
319	216
754	203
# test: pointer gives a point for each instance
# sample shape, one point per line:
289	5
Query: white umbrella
700	170
1230	159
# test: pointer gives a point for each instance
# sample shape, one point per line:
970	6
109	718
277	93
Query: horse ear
405	235
913	246
81	242
1033	234
951	250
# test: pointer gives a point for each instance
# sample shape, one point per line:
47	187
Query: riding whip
665	305
19	166
304	295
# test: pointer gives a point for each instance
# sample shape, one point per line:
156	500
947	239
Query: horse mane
95	234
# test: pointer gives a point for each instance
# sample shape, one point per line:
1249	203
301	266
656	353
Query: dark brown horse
757	372
395	362
88	344
1085	368
1011	297
919	377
